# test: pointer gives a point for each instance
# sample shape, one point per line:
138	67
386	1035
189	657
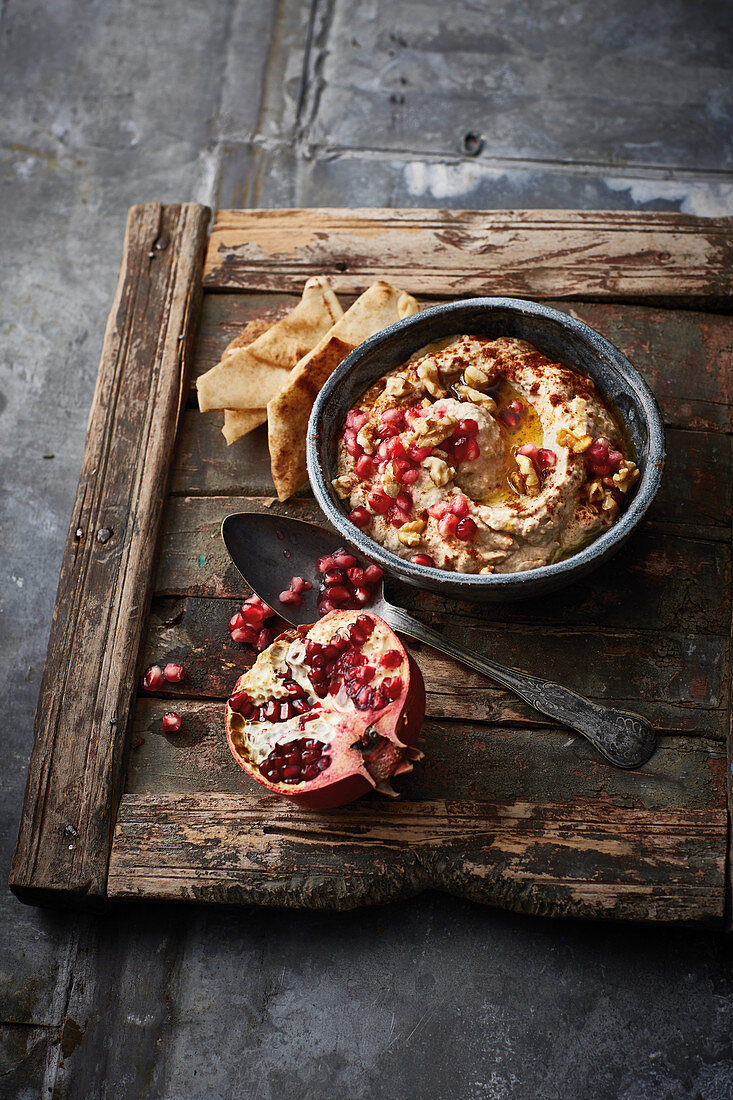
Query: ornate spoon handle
626	739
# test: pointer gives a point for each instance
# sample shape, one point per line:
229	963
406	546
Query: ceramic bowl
558	336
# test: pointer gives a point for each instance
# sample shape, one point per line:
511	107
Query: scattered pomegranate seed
417	454
356	420
438	509
447	524
356	575
409	477
342	560
422	559
395	448
615	458
264	638
466	530
324	564
289	597
236	622
379	501
393	416
174	672
459	505
354	449
244	634
546	459
529	450
404	500
360	517
386	431
364	467
373	574
153	680
171	722
467	427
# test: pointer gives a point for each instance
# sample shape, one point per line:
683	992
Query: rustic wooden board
583	860
527	253
106	576
505	808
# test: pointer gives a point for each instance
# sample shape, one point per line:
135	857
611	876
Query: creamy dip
483	456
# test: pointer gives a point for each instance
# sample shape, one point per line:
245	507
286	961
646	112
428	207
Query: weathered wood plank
529	253
589	859
106	578
676	681
462	760
677	584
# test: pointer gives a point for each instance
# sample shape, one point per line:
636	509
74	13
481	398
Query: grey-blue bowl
561	338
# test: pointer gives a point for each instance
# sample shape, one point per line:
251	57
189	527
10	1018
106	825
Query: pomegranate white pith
329	712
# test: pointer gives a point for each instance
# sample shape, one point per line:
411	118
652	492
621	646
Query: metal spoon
268	550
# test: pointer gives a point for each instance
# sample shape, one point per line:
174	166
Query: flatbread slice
250	376
289	410
240	422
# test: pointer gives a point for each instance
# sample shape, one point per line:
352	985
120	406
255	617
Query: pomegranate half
328	712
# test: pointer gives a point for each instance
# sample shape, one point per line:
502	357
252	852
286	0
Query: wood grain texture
581	860
106	576
530	253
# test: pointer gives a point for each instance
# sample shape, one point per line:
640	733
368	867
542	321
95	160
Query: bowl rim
593	553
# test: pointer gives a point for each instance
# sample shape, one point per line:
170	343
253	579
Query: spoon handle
626	739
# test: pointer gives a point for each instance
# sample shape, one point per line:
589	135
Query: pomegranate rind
397	725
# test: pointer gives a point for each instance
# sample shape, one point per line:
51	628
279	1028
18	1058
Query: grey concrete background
583	103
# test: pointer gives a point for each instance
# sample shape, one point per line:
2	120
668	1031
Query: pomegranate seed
459	505
362	595
546	459
236	622
382	451
404	500
253	614
325	607
291	774
238	700
244	634
398	516
334	576
422	559
171	722
414	412
373	574
356	575
395	687
379	699
466	530
615	458
417	454
467	427
289	597
297	584
460	449
510	418
342	560
393	416
409	477
300	705
472	450
153	680
174	672
325	564
354	448
365	623
379	501
357	636
338	594
264	638
386	431
447	524
439	509
529	450
360	517
391	659
364	467
323	763
356	420
395	448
